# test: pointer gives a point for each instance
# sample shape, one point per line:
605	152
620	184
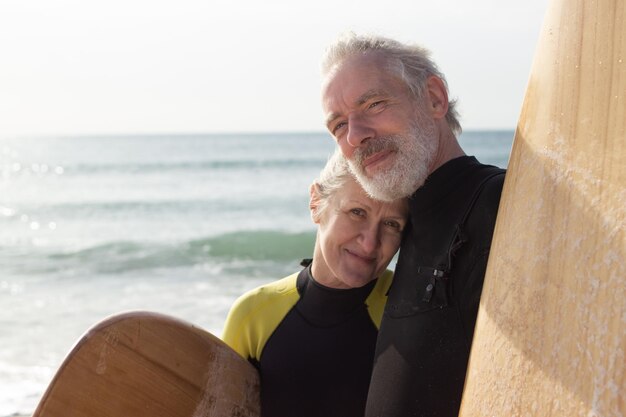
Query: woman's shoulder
254	316
268	293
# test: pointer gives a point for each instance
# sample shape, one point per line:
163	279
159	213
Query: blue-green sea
178	224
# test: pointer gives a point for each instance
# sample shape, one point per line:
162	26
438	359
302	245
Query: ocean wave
257	245
237	247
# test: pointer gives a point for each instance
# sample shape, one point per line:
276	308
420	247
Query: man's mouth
376	159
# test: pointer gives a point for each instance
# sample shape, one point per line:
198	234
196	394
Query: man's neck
449	148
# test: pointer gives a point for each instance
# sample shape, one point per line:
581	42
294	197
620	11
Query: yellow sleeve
255	315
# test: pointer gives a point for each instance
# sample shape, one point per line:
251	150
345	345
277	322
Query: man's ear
314	202
438	97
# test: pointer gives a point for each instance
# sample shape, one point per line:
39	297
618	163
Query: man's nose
359	131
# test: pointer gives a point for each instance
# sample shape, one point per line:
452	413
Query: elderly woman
312	334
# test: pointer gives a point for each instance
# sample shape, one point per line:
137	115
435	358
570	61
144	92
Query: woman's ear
314	202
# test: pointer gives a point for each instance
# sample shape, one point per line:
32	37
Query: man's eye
374	104
338	126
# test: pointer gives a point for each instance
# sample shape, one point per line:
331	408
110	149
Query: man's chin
382	188
384	183
381	192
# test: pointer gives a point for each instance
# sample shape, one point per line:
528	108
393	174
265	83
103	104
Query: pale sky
70	67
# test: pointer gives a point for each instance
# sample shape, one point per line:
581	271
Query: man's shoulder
485	204
493	182
488	180
487	170
481	192
468	172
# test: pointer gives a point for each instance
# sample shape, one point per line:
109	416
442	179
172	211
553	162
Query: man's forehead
371	62
356	82
349	74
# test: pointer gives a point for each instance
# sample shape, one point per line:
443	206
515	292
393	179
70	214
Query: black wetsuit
426	332
313	345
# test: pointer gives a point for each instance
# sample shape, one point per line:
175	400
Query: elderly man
387	106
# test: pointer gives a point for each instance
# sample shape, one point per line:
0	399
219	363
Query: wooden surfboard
149	365
551	332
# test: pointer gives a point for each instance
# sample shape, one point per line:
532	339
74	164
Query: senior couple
340	337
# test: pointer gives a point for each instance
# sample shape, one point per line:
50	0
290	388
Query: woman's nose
370	239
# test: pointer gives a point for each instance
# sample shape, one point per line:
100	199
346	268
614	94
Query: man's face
388	138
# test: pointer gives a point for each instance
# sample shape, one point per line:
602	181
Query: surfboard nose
146	364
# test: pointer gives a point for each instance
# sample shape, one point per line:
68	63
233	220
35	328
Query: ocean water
178	224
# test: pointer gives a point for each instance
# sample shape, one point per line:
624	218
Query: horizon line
200	133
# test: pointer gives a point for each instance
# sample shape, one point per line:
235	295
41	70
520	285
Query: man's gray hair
412	63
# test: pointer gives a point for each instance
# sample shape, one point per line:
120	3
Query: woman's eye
357	211
394	225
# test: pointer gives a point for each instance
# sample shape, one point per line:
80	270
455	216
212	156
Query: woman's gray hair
412	63
332	178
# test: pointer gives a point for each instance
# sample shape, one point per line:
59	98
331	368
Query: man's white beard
413	153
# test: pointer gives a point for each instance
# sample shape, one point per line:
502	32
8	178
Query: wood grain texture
149	365
551	332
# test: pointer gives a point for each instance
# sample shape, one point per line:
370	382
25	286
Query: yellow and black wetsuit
313	345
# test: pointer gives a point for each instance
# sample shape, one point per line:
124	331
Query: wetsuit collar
323	306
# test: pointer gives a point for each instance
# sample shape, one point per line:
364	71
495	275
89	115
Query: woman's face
357	237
